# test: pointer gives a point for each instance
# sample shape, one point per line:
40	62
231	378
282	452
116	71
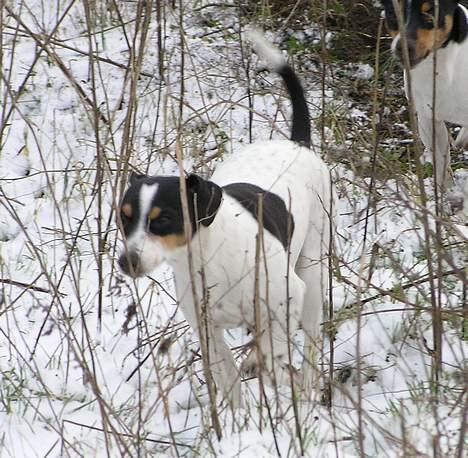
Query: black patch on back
276	218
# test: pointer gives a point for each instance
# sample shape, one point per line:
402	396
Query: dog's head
427	26
152	221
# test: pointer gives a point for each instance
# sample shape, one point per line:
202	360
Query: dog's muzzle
414	58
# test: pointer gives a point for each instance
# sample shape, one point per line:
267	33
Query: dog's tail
300	132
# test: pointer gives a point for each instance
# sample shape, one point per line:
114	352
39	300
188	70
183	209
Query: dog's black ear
390	14
207	195
460	25
135	177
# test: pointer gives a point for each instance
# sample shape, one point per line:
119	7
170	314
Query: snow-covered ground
74	115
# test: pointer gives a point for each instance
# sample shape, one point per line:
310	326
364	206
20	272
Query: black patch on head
419	17
203	197
426	19
131	198
276	218
390	15
415	18
207	197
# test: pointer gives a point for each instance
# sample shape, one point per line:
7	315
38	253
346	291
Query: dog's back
292	172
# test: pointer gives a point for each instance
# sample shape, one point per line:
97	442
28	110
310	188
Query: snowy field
95	364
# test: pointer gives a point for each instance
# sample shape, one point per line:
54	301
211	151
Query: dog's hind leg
275	337
312	267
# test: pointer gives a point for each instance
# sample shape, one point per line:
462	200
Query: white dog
270	277
448	37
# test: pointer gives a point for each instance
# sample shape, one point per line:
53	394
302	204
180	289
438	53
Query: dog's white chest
232	272
451	96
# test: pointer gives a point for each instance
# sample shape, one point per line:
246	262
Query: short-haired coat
284	277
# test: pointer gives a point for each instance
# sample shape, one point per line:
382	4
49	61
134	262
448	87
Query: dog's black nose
398	49
412	54
129	262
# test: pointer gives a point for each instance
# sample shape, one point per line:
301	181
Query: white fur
272	55
451	104
225	251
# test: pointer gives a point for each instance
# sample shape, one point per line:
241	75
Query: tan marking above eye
425	7
154	213
127	210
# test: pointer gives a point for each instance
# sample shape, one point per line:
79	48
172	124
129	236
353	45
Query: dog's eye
125	213
161	222
164	218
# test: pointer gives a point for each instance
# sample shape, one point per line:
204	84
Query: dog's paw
280	373
188	395
252	364
193	400
287	375
457	198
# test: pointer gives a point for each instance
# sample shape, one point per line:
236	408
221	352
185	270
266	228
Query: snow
360	71
69	387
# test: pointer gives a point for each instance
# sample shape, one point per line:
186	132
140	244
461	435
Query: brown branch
391	292
20	284
147	439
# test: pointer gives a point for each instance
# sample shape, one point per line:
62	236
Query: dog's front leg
220	360
314	273
223	367
462	138
221	364
440	156
275	337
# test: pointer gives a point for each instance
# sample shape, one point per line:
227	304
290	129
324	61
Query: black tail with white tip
300	131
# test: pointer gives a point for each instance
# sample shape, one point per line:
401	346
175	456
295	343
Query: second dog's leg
441	157
462	138
312	267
